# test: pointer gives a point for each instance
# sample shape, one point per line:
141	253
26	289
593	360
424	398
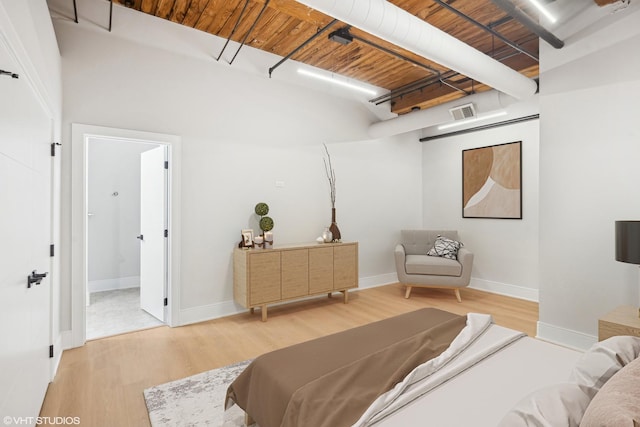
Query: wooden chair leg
407	294
458	295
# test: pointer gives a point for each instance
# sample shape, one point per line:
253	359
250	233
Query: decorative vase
335	231
327	236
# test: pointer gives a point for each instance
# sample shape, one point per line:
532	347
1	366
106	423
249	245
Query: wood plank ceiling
285	24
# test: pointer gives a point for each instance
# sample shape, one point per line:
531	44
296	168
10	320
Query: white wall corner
58	347
565	337
66	338
506	289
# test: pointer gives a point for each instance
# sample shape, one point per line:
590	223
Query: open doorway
127	246
80	136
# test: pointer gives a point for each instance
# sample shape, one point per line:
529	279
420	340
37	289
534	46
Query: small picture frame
247	238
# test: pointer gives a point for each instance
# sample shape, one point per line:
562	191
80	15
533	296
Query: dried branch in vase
331	176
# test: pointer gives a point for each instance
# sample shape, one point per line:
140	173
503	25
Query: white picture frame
247	237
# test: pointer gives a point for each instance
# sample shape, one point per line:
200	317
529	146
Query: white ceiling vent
465	111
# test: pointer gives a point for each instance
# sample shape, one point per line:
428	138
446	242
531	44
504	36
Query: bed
428	367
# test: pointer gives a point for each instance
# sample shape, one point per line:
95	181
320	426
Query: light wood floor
102	382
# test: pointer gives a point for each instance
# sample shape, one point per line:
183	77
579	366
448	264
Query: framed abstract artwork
492	181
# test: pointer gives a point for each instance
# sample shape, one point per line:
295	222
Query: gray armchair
416	268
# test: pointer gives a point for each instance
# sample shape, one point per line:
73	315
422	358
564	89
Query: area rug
195	401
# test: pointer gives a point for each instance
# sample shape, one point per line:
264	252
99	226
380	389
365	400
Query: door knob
140	237
35	277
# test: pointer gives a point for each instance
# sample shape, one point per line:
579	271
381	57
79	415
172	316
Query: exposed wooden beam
299	11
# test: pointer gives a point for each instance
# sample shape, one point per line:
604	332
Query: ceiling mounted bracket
246	36
457	88
309	40
341	36
233	30
9	73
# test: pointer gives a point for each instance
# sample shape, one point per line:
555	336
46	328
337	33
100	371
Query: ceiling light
543	10
342	83
477	119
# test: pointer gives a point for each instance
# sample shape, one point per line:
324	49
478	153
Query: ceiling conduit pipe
484	102
529	23
397	26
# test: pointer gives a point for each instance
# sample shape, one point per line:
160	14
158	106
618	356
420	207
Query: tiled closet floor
116	312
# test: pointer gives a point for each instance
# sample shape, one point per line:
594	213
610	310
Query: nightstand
623	320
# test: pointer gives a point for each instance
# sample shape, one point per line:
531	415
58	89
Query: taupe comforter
331	381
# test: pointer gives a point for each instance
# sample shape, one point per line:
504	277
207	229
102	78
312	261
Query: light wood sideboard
623	320
283	273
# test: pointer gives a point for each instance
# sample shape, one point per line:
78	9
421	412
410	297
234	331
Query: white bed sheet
481	395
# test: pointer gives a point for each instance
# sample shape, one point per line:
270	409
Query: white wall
589	177
505	251
27	33
240	133
114	251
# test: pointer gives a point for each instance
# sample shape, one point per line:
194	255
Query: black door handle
140	237
35	278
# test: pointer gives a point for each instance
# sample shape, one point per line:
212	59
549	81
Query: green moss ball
266	223
262	209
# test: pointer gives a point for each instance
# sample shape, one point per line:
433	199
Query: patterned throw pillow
446	248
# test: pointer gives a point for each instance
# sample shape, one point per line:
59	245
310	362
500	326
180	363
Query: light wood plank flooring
102	382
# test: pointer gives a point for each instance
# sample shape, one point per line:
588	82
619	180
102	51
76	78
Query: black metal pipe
487	29
110	13
397	55
309	40
421	84
264	7
233	30
75	11
482	127
525	20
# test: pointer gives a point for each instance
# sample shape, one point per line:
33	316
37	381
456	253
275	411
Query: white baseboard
216	310
375	281
565	337
514	291
112	284
203	313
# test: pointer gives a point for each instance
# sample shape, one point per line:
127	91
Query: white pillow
603	360
565	404
559	405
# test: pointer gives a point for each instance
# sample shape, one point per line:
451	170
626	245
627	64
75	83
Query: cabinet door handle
140	237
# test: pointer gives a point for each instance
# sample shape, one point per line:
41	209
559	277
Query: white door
25	182
152	226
